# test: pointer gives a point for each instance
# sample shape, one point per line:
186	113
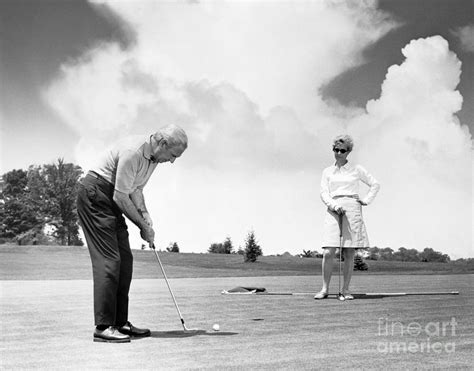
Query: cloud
465	36
421	152
243	79
220	72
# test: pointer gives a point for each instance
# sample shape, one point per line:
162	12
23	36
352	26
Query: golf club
368	295
388	294
340	296
185	329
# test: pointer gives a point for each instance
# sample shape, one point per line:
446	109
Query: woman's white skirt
354	234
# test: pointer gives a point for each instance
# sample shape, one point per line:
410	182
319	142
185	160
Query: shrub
359	263
216	248
311	254
173	247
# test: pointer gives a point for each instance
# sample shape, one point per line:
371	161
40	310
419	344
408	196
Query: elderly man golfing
344	227
110	189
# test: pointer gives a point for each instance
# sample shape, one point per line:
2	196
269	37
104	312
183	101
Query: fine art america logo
416	337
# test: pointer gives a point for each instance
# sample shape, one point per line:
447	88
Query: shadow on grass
359	296
364	296
182	334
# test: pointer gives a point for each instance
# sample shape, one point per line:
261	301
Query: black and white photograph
236	184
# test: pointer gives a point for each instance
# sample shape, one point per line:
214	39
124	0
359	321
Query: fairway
48	324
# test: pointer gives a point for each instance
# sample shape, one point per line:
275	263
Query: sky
261	88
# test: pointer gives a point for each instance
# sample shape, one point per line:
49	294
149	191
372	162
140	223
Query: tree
43	195
17	213
228	248
53	190
374	253
359	263
406	255
252	249
386	253
216	248
221	248
429	255
173	247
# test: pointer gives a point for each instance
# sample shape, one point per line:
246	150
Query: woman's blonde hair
344	139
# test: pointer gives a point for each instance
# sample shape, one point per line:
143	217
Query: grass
48	325
47	322
60	262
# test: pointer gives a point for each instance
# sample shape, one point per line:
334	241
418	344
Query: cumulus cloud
243	80
219	72
465	36
421	152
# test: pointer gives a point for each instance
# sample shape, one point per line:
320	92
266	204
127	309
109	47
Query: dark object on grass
244	290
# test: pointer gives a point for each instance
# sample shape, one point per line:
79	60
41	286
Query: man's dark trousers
107	239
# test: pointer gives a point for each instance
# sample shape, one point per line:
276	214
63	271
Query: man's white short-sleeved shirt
127	163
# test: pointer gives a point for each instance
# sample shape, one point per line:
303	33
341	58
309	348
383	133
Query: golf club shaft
412	293
340	249
286	293
152	246
358	295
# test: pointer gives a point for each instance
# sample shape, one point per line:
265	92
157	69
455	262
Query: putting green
48	324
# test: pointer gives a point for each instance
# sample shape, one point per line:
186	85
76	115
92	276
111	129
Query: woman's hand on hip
339	209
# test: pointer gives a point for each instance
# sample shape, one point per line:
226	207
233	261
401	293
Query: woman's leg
328	260
348	268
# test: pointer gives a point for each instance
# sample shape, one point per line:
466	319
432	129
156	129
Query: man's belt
97	176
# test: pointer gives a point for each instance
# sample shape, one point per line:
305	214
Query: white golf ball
216	327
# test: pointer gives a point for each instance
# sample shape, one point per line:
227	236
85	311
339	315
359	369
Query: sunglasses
340	150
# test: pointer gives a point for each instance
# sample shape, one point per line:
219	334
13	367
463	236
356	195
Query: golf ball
215	327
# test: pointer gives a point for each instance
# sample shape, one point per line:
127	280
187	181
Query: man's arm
139	201
125	204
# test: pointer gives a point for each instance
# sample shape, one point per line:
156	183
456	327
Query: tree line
388	254
38	205
251	252
407	255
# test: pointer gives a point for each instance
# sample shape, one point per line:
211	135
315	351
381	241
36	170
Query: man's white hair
344	139
173	135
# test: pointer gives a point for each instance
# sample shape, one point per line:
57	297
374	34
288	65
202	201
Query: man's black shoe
110	335
129	329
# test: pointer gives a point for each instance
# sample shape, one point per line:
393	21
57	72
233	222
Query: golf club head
190	330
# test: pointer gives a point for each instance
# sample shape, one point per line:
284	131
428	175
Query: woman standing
340	193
